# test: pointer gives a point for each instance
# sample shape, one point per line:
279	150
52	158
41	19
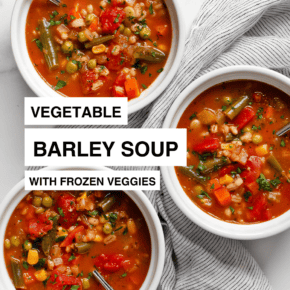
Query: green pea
67	47
27	246
86	283
7	244
257	139
37	201
90	18
198	189
39	210
127	31
47	201
227	100
82	37
71	67
121	28
145	33
92	63
107	228
15	241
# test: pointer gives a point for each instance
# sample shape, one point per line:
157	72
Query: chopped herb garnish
224	108
275	182
247	195
60	84
25	265
60	211
160	70
144	86
263	183
282	144
232	210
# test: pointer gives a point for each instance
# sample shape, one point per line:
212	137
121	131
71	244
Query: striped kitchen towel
226	32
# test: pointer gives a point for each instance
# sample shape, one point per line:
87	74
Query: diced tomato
257	96
88	79
120	80
109	263
253	187
38	227
207	145
245	116
115	61
57	281
118	2
66	206
29	277
111	19
260	210
69	239
252	172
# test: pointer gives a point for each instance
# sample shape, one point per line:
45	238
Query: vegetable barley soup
55	239
238	168
99	48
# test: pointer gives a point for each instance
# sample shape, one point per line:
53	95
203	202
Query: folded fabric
226	32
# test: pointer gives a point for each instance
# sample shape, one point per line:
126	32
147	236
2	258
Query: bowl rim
155	270
41	91
193	212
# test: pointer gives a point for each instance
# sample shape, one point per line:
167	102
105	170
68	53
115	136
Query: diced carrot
132	88
213	185
162	30
94	25
223	196
269	112
257	96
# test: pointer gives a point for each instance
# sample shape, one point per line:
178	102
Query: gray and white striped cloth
226	32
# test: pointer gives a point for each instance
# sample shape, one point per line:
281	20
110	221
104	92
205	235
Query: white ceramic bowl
40	87
193	212
156	233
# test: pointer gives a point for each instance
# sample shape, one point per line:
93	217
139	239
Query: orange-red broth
239	210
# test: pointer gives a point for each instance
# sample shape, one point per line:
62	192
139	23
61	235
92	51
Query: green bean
213	164
192	174
83	248
99	40
107	203
149	54
49	239
49	50
275	163
17	274
233	110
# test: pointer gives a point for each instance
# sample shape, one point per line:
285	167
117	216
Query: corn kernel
262	150
227	146
41	275
226	179
32	257
98	238
97	49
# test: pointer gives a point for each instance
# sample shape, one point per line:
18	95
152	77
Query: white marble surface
272	254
